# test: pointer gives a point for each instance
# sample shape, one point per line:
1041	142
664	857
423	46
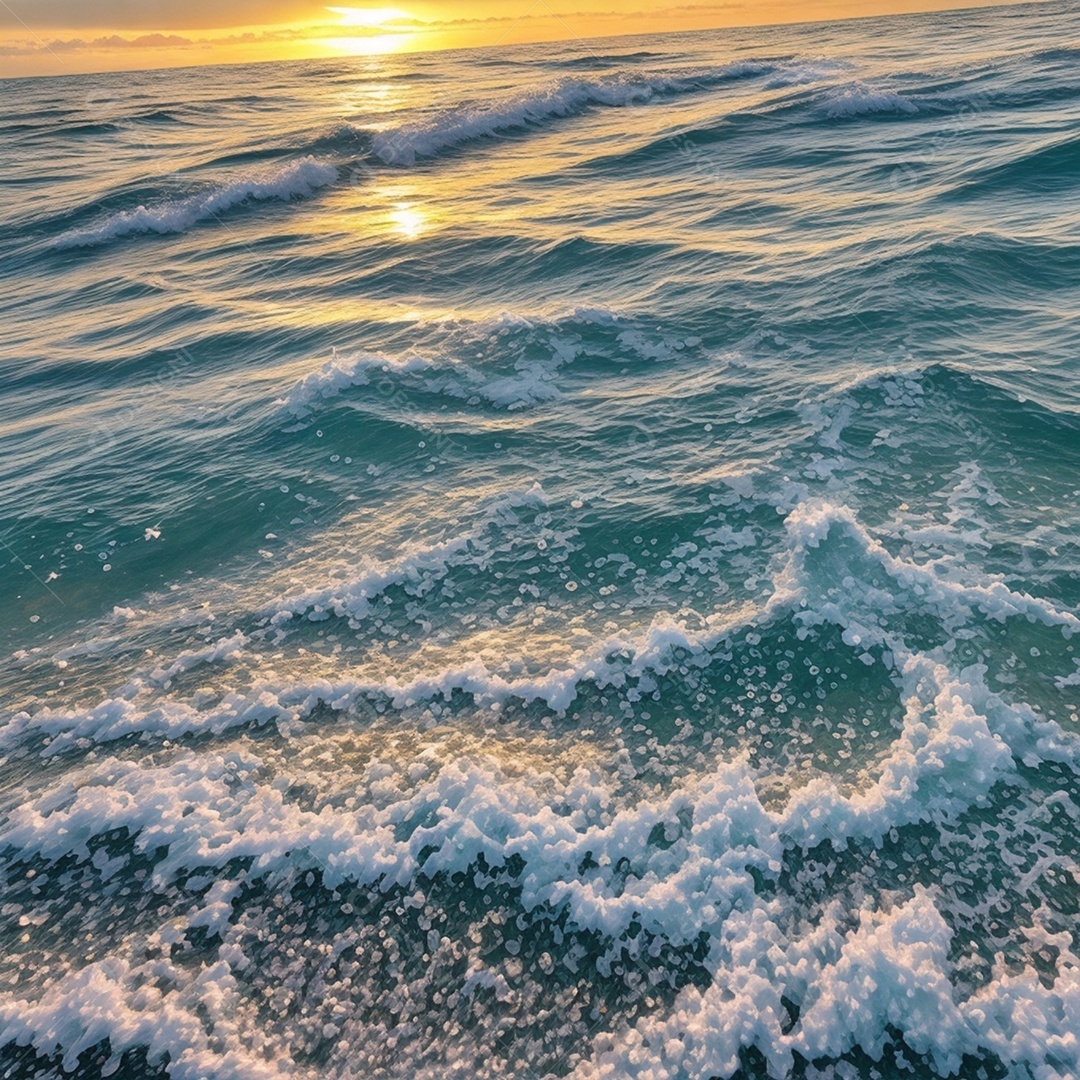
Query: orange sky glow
57	37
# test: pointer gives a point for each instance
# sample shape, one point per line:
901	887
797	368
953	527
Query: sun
373	17
370	31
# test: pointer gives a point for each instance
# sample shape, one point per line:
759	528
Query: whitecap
297	179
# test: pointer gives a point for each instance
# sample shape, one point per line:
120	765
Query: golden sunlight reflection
407	220
368	45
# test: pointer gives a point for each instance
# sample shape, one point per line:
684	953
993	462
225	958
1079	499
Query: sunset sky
40	37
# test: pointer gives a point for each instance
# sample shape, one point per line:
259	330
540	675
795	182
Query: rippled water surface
557	560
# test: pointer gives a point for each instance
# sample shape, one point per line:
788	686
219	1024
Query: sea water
544	561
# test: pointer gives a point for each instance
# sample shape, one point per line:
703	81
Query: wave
585	847
158	116
1067	53
402	145
602	59
530	350
1052	165
103	127
602	859
754	127
788	983
858	99
830	988
801	72
527	386
417	563
831	571
340	373
957	742
297	179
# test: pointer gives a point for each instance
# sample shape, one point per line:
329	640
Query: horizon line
951	8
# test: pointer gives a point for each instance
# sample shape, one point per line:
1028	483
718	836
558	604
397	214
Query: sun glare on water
407	221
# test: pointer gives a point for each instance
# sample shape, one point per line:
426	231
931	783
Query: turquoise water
543	561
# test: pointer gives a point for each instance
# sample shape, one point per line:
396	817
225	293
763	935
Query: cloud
117	43
156	15
159	39
144	41
111	43
541	11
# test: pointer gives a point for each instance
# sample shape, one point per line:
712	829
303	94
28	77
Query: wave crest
299	179
859	99
402	145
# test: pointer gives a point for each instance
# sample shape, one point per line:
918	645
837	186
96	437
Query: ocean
553	560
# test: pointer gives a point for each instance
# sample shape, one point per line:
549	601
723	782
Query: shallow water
558	560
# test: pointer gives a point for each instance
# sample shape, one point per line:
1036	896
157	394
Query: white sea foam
586	839
342	372
225	649
297	179
403	144
207	811
151	1006
204	812
801	72
831	572
892	971
582	849
528	383
416	566
951	751
858	99
532	350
